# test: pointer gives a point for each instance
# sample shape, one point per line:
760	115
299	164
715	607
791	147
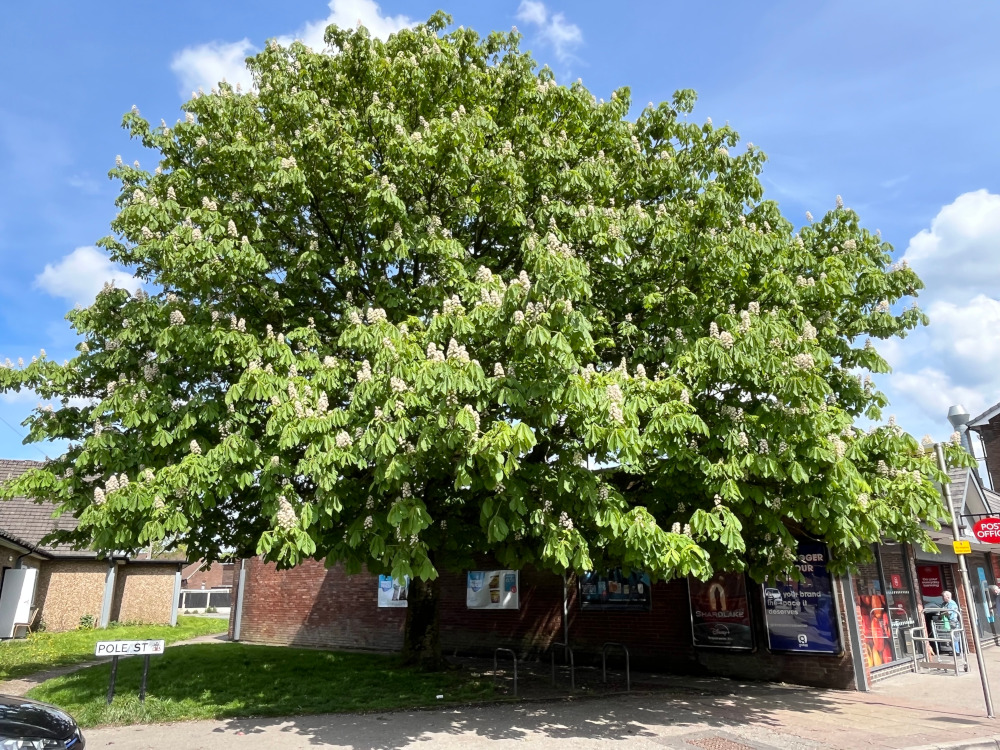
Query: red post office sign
987	530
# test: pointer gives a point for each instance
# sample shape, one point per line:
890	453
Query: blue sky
893	105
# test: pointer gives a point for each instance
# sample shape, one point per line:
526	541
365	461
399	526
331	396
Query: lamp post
966	586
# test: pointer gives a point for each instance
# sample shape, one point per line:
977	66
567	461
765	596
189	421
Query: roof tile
29	521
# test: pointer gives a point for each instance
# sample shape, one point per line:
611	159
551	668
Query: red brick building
197	575
311	605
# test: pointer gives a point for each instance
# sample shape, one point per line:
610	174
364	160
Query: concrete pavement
712	715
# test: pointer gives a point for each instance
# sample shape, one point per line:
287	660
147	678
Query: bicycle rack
572	664
496	654
604	664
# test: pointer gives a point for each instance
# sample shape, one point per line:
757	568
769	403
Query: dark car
30	725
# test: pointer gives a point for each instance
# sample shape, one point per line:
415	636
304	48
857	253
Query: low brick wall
311	605
66	591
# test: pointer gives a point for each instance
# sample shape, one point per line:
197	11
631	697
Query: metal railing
496	654
944	640
604	663
567	651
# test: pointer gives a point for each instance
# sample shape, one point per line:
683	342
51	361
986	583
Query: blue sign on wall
802	616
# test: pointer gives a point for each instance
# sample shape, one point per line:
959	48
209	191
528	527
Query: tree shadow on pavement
605	718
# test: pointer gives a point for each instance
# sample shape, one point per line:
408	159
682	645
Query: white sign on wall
392	593
492	589
129	648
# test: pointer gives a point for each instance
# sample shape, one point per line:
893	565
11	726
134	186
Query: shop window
887	603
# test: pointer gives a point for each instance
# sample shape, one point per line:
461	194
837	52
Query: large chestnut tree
409	302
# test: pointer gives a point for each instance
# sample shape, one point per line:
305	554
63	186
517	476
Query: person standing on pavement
994	600
953	615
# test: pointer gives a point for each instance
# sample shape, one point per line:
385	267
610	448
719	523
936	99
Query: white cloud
933	391
203	66
966	335
23	396
79	276
553	29
347	14
961	249
954	359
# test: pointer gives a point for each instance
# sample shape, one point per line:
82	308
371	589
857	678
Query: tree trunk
422	635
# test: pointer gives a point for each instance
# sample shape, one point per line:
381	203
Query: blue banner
802	616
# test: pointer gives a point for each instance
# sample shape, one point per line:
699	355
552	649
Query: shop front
939	572
888	606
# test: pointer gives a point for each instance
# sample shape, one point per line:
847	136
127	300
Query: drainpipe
109	593
177	596
565	617
238	617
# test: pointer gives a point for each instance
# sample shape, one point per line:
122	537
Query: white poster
492	589
392	593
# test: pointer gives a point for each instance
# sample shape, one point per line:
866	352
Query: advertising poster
720	612
615	590
802	617
392	593
492	589
931	585
876	629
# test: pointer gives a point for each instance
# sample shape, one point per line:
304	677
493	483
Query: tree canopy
411	301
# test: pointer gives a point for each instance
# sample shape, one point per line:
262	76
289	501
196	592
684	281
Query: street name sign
129	648
114	649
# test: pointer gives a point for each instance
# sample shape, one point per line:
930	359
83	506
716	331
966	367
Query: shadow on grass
232	679
237	680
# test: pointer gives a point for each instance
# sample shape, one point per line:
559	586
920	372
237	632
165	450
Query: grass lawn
41	651
227	680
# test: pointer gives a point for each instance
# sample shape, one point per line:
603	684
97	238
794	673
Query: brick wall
67	591
311	605
144	593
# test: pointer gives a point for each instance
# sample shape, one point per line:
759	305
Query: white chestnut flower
803	361
195	448
287	518
364	375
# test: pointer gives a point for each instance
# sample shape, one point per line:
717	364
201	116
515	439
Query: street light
966	586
